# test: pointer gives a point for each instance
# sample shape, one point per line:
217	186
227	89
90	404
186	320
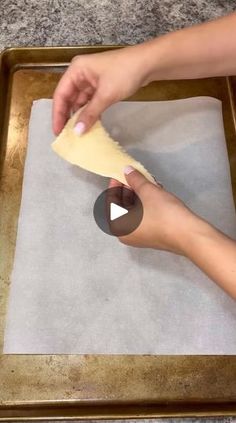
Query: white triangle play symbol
116	211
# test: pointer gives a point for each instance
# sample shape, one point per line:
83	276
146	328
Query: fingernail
128	170
79	128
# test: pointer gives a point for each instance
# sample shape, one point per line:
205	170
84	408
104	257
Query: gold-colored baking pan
95	386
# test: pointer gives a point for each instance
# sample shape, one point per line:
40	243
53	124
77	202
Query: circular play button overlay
118	211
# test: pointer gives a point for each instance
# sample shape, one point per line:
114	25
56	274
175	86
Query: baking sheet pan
87	386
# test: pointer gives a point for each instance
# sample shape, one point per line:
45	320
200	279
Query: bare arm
200	51
169	225
102	79
215	254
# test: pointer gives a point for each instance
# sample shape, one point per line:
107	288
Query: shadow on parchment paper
92	179
144	113
148	159
153	162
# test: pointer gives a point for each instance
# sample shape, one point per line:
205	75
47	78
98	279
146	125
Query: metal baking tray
95	386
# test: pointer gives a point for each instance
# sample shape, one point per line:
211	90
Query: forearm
200	51
215	254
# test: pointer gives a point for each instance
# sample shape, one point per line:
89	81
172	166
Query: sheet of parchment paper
75	289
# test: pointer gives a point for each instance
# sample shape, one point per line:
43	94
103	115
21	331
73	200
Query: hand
167	223
104	78
100	80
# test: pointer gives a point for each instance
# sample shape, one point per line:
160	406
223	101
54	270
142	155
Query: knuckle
90	116
75	59
105	95
76	68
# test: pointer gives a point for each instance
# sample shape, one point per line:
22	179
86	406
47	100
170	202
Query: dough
95	151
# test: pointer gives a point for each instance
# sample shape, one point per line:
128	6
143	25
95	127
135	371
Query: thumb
135	179
91	112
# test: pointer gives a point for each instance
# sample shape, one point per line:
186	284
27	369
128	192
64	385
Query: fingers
128	197
73	90
83	83
95	107
81	100
114	195
135	179
114	183
124	195
66	97
63	100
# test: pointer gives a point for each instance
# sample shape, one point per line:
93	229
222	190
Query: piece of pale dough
95	151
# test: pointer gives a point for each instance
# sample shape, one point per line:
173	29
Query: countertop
71	22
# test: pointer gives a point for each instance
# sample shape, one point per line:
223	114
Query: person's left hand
167	223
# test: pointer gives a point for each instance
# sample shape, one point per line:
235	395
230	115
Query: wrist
156	56
149	59
198	236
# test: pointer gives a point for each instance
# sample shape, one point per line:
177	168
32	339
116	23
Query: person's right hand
97	80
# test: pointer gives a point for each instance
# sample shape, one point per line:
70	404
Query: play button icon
118	211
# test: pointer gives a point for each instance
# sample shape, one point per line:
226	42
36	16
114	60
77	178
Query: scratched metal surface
79	22
187	382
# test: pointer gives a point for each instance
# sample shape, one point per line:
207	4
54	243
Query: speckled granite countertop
71	22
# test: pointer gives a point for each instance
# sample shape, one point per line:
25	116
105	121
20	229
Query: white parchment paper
75	289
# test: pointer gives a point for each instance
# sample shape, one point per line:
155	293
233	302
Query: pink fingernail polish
79	128
128	170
